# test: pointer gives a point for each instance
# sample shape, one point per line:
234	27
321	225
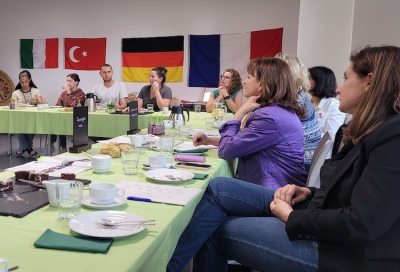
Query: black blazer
355	215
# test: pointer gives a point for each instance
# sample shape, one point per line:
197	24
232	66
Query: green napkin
200	176
54	240
196	150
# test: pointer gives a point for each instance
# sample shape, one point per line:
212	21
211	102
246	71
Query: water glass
69	198
184	132
150	107
130	161
209	122
166	146
197	108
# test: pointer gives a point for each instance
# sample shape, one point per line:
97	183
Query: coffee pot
90	102
177	115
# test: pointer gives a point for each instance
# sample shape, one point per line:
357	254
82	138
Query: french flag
210	55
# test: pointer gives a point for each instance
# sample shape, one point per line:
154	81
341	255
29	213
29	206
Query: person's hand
65	87
292	194
155	86
223	91
280	209
250	105
200	139
126	109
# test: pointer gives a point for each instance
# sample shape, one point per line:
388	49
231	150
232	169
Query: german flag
140	55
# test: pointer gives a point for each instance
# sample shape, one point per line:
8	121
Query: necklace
23	93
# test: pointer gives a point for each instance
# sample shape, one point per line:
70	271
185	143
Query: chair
318	160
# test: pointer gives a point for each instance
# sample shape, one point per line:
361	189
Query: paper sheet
176	195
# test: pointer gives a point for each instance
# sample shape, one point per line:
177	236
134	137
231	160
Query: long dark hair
382	100
277	83
28	74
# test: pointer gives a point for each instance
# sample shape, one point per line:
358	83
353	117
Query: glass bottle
12	103
150	128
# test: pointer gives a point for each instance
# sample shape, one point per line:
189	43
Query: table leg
9	144
49	144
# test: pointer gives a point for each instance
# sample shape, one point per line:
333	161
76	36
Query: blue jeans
233	221
25	141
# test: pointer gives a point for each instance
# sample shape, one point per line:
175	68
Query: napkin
200	176
54	240
195	150
189	158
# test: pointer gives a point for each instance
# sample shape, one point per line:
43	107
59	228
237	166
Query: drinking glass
150	107
197	108
184	132
209	122
69	198
130	161
33	100
166	146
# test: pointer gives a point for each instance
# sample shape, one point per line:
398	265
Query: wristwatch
227	97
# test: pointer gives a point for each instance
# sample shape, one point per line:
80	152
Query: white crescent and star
71	53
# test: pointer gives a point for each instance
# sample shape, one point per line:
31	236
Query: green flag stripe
26	47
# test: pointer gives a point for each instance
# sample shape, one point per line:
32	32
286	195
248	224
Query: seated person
309	121
351	223
156	93
70	97
229	92
270	146
323	92
26	92
110	90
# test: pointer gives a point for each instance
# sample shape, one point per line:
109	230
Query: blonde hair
298	69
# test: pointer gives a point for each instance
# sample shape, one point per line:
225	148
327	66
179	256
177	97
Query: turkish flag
84	54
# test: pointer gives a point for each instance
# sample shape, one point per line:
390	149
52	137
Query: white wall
325	30
123	19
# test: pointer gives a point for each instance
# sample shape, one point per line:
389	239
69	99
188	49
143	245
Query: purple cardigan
269	148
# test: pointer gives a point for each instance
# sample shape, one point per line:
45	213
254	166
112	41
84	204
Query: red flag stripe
51	53
266	43
153	59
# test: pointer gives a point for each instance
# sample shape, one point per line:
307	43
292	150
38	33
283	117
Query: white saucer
147	166
87	201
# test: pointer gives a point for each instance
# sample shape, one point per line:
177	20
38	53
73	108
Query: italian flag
39	53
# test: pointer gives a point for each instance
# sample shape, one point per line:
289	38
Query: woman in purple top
270	146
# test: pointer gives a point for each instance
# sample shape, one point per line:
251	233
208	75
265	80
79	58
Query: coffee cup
104	193
168	124
101	163
3	265
137	140
158	160
165	110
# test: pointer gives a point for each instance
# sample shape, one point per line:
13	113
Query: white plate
160	175
85	224
147	166
87	201
28	105
192	154
56	107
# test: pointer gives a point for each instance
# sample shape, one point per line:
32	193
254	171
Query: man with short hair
110	90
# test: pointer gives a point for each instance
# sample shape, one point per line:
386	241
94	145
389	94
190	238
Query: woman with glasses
229	92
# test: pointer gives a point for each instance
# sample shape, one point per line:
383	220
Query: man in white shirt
110	90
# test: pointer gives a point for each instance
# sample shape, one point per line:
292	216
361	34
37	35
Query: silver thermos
90	102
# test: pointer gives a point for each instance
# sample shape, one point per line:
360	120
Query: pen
134	198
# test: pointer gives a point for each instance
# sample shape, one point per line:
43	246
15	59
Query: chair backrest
318	160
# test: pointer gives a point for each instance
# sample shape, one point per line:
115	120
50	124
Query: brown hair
236	81
382	100
277	83
161	71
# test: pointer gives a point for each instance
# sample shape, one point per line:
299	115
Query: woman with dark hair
156	93
322	90
351	223
70	97
26	93
229	92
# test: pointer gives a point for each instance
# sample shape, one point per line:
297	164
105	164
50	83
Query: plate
147	166
87	201
192	154
56	106
93	151
28	105
160	175
85	224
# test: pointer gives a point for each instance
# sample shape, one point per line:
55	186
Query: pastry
38	177
6	185
68	176
21	175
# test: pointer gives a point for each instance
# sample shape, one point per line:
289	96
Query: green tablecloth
148	250
56	121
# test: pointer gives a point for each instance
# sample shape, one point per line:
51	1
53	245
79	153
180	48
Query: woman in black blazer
351	223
